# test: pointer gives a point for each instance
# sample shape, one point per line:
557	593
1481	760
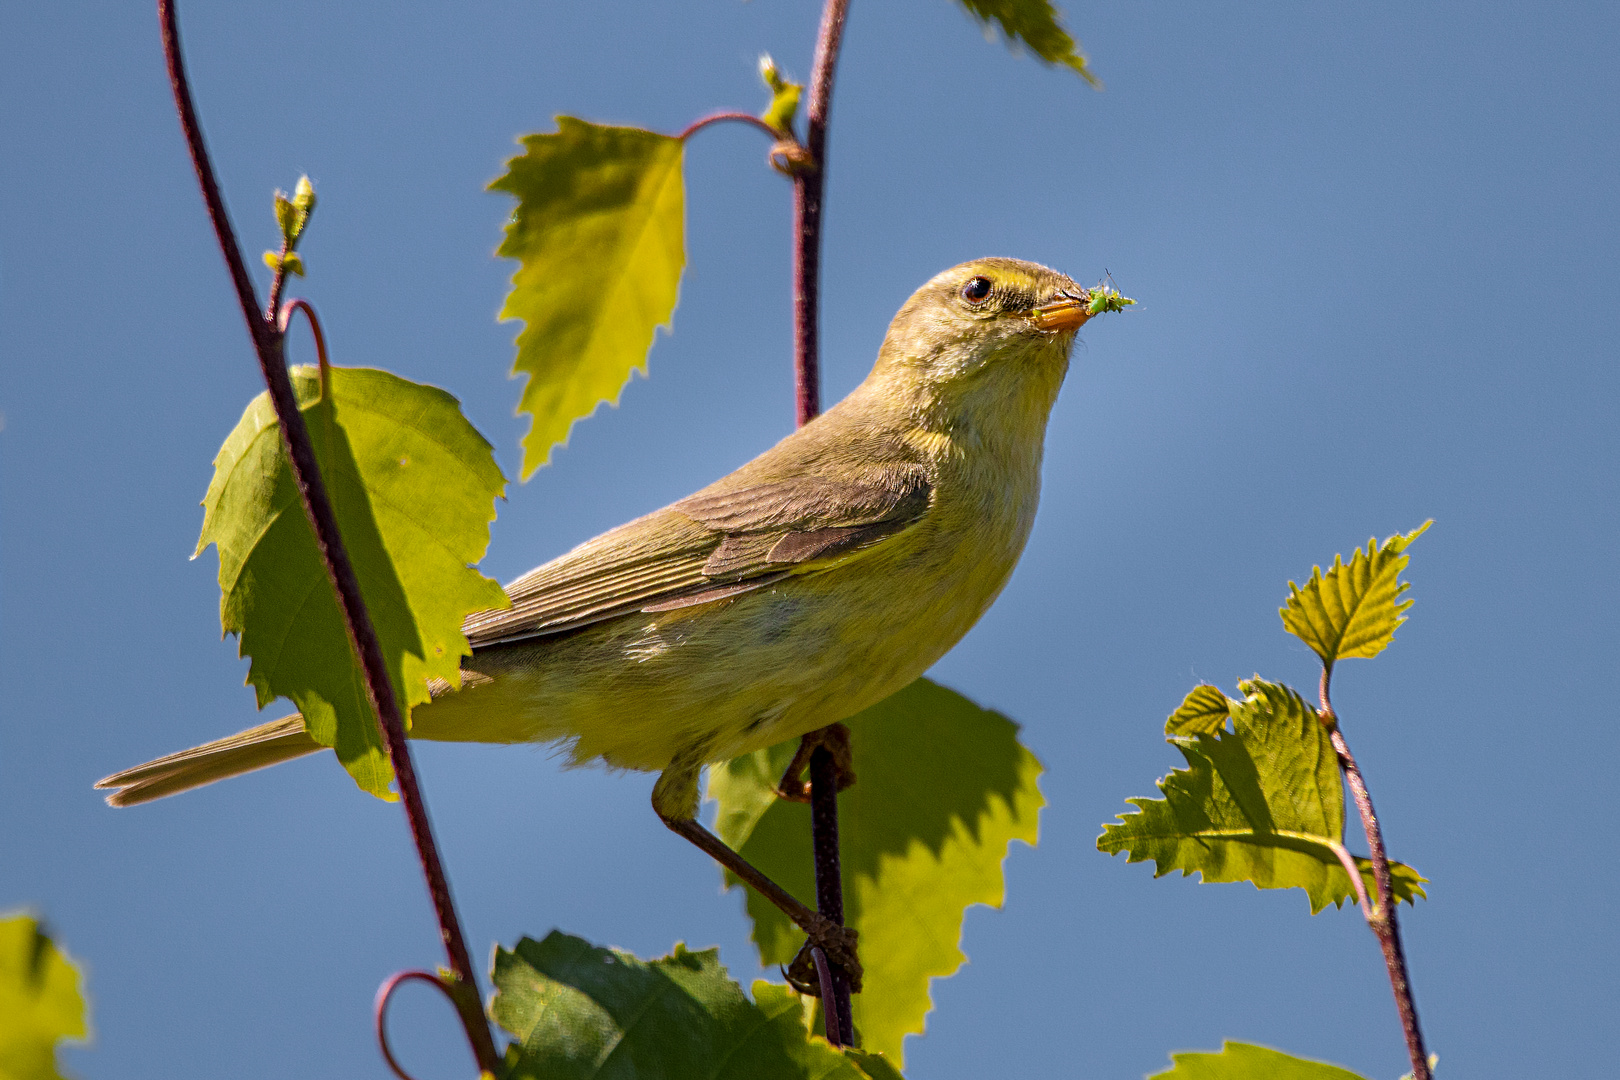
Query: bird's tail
256	748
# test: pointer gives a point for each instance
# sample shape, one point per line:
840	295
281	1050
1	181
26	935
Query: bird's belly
722	679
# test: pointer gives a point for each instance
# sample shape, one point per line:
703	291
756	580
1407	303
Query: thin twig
278	283
829	875
324	366
1348	861
809	190
380	1011
727	117
824	976
268	342
1383	917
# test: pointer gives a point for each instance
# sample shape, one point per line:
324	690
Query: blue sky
1374	249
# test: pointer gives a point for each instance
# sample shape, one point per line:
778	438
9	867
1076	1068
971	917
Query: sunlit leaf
599	234
1037	24
41	1003
1205	711
1262	803
1245	1061
943	787
414	487
581	1012
1352	610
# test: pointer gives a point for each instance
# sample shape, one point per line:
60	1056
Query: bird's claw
835	737
838	944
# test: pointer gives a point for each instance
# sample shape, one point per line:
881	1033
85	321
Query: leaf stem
727	117
298	303
809	189
268	344
1348	861
1382	918
380	1011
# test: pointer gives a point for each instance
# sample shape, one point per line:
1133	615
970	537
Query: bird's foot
838	944
835	737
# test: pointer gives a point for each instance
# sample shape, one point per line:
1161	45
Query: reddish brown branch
809	189
727	118
824	976
809	194
1382	919
385	992
829	881
267	342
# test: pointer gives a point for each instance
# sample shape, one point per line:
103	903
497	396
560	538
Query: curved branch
727	117
268	341
298	303
1348	861
385	993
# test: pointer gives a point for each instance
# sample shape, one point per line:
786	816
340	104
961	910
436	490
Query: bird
814	581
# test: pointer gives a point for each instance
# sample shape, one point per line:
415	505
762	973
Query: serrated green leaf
1205	711
1354	610
1262	803
1245	1061
599	234
581	1012
414	487
1037	24
943	787
41	1003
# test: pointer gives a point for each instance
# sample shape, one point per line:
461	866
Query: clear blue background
1375	249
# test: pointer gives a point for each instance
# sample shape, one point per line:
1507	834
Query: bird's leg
835	737
675	799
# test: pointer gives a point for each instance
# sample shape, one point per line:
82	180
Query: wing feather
727	539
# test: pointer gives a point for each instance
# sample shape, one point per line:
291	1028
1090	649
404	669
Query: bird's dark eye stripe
975	291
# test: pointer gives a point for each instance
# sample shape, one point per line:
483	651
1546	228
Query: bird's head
991	334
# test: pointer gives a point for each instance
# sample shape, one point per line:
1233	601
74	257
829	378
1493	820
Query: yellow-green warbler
814	581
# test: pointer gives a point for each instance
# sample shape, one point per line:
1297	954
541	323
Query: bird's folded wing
720	542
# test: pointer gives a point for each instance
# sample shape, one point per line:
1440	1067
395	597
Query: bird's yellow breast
724	678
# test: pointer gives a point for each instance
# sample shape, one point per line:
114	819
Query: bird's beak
1067	313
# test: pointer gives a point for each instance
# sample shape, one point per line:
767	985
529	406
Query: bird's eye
976	290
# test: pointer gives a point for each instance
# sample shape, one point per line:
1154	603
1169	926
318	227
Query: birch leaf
582	1012
599	235
1245	1061
41	1002
1353	610
1262	803
413	485
943	788
1038	25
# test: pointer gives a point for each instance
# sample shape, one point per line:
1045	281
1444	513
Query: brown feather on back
704	547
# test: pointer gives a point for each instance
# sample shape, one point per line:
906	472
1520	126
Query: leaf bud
785	96
287	216
304	195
